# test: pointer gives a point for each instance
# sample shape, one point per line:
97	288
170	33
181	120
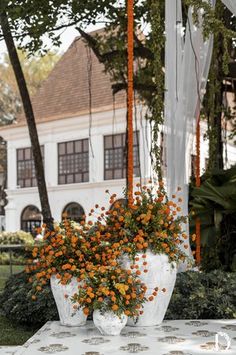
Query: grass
5	273
11	334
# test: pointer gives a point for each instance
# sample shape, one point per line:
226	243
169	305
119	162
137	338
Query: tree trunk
215	107
219	161
29	114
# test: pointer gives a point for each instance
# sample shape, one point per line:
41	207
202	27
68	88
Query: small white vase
109	323
162	274
62	294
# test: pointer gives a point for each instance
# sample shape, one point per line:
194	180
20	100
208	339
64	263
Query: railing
10	248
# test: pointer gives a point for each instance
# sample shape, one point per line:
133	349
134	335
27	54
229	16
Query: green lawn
5	273
13	335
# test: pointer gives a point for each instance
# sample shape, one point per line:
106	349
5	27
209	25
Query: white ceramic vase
162	274
62	294
109	323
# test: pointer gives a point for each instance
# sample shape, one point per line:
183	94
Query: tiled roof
65	93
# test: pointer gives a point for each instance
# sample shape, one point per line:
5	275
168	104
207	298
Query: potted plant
60	260
149	233
113	294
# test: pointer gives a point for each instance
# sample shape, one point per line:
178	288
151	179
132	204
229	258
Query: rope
198	184
130	30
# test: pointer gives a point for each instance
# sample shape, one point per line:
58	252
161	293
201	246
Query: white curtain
185	85
173	61
231	4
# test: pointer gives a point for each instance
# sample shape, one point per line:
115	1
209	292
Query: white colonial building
81	129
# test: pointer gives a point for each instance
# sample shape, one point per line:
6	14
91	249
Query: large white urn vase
162	274
62	294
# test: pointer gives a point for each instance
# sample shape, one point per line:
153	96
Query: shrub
215	204
199	295
16	303
19	237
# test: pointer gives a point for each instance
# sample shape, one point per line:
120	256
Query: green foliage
9	104
36	69
199	295
215	204
17	305
17	238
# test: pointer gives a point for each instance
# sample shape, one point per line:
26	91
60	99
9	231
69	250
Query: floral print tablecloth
179	337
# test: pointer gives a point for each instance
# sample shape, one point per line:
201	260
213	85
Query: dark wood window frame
115	156
31	222
73	161
25	167
74	211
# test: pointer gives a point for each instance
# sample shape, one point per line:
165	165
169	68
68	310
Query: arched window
120	202
73	211
31	218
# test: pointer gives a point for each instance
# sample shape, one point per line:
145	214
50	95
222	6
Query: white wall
87	194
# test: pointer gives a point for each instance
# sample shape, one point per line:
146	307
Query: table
177	337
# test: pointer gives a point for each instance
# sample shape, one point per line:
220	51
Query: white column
12	167
51	163
96	160
12	218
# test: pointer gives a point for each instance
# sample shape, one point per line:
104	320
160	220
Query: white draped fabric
231	4
186	71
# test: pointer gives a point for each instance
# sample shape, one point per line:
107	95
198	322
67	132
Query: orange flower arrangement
111	289
92	251
70	250
150	222
62	253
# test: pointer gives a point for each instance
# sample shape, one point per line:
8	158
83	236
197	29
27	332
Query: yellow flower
122	288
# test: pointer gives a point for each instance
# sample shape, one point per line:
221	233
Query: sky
67	37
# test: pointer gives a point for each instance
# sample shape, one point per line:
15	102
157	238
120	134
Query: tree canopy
31	21
36	69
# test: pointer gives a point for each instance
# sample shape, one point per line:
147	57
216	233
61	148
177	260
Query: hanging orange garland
198	184
130	31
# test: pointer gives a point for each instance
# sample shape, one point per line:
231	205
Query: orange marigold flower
115	307
86	311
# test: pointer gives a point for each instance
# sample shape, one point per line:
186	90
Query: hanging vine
157	40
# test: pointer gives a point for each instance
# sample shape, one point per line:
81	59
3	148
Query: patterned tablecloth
179	337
